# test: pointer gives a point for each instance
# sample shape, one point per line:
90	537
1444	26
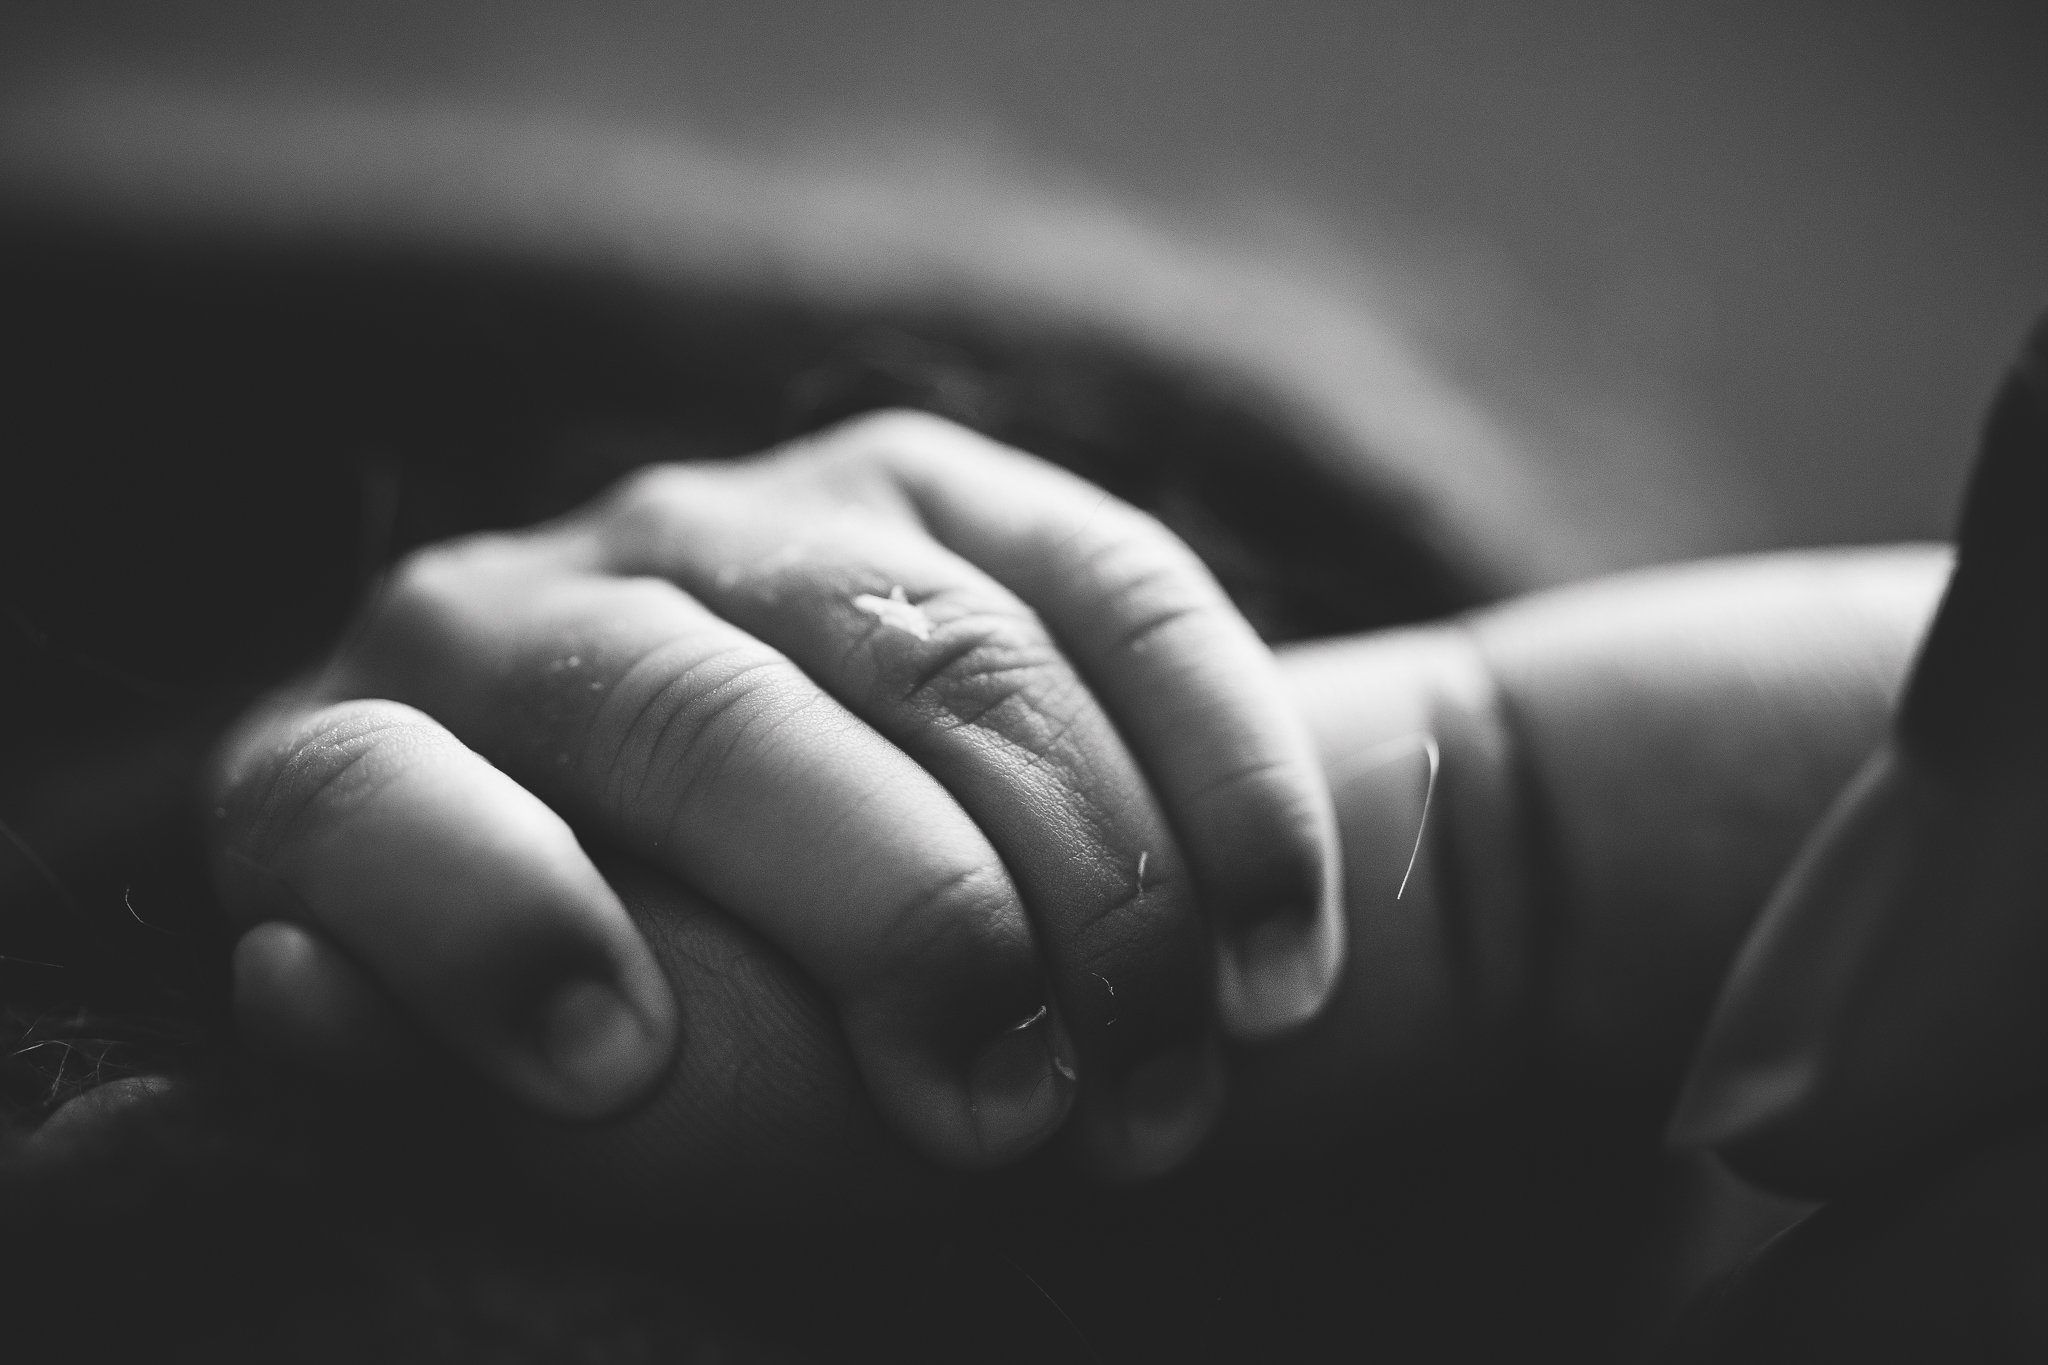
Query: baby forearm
1621	770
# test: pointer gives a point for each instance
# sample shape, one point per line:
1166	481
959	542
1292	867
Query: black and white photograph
1048	682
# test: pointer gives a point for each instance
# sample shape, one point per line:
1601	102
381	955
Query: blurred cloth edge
917	234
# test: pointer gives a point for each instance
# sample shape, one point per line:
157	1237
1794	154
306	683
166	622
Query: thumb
1895	989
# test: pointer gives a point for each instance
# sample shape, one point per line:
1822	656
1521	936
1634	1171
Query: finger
760	1112
961	676
630	707
370	825
1891	994
298	995
1191	687
762	1115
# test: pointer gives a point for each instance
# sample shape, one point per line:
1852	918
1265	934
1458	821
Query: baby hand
984	751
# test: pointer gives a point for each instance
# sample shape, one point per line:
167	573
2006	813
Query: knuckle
1282	788
898	441
900	429
643	595
651	491
1156	583
420	584
1272	826
1137	554
681	717
988	668
1124	926
645	506
1158	615
964	915
875	460
326	766
432	589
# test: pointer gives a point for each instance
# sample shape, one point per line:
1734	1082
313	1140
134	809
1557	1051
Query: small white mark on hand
1142	856
898	611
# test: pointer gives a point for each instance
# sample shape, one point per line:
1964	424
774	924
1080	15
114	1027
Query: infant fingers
963	678
299	995
1192	688
629	706
469	899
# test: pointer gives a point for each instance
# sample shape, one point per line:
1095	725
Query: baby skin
982	752
897	777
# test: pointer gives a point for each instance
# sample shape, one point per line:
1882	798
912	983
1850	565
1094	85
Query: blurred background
1789	247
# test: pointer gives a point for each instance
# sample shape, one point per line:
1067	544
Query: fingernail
596	1046
297	997
1276	972
1020	1088
1274	976
1169	1105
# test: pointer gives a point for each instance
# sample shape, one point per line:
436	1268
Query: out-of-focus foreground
1749	264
